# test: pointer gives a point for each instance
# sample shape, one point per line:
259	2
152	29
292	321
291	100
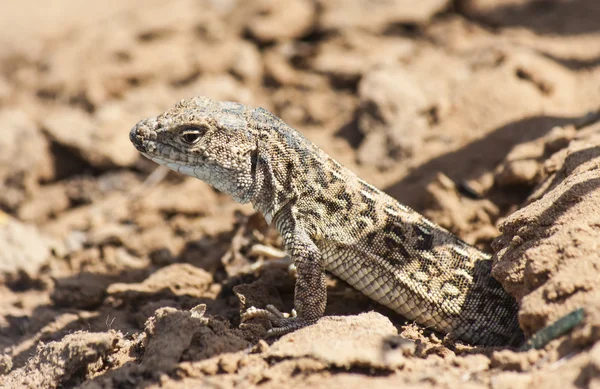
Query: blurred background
452	107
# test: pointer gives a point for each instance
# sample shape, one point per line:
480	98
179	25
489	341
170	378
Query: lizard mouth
163	153
145	141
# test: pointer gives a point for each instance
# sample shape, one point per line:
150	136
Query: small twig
153	178
267	251
554	330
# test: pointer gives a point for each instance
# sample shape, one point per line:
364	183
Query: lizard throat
199	168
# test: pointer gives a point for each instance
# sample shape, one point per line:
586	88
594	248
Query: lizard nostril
137	136
133	137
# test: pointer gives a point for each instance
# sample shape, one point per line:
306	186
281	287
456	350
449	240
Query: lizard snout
133	137
141	133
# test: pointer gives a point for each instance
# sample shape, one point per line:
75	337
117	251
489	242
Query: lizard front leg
310	295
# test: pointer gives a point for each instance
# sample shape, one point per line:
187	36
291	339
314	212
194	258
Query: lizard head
202	138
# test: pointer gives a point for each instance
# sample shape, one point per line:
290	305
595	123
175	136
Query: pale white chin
223	182
188	171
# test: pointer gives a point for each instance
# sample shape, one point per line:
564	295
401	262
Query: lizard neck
268	197
276	180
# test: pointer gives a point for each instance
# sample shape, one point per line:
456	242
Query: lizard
332	220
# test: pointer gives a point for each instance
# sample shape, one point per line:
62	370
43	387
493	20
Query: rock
176	280
342	341
6	363
100	139
171	333
24	248
351	54
547	256
391	116
277	20
376	15
56	362
543	17
24	157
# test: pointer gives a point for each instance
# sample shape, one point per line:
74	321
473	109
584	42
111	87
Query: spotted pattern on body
332	220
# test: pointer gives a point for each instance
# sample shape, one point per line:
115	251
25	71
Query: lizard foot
281	323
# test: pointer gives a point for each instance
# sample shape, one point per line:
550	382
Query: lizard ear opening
253	162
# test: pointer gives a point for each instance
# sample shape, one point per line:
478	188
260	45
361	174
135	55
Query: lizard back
385	249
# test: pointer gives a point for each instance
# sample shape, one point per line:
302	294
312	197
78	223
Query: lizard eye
191	134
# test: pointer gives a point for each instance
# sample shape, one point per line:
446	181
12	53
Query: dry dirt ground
482	114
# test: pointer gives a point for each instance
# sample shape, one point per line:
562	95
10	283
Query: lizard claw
281	323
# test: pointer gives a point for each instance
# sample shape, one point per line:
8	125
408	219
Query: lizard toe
281	323
287	325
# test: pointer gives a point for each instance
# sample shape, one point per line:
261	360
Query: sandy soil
482	114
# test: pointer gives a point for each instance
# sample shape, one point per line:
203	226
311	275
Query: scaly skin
332	220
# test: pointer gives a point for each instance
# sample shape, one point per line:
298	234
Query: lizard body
330	219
